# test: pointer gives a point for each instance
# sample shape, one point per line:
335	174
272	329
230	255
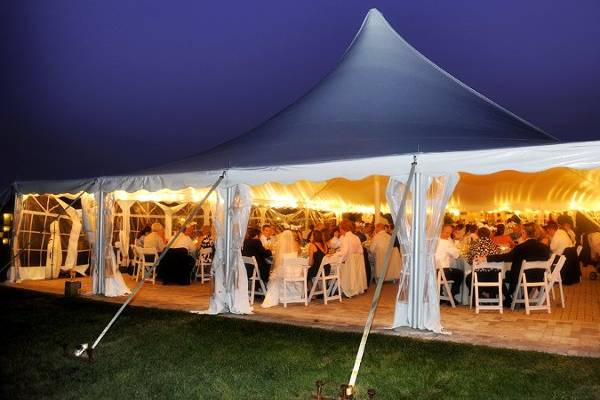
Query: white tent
384	106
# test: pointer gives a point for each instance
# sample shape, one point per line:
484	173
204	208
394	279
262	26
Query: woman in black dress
317	249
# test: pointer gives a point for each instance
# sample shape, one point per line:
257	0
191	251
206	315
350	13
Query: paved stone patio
574	330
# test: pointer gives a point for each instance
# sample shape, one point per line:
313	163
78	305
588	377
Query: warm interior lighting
6	228
5	241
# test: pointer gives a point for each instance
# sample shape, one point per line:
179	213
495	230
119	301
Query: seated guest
139	240
459	232
253	247
529	250
317	249
156	238
207	242
184	241
501	239
445	253
542	236
349	242
265	237
564	236
334	241
482	248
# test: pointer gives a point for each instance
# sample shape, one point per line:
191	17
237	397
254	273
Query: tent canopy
382	104
383	98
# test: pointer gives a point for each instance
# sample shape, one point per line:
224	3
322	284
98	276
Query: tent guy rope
85	351
386	262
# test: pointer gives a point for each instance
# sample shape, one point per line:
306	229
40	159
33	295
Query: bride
285	244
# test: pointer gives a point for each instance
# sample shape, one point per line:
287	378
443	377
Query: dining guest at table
317	249
481	248
253	247
564	236
349	242
334	241
184	240
207	242
445	254
529	250
265	236
156	239
501	239
139	240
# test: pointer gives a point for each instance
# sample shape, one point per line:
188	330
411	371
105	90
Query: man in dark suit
530	250
253	247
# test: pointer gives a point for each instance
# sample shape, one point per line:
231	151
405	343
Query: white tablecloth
353	277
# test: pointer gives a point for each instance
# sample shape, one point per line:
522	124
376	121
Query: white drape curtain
89	208
114	285
218	299
241	203
417	305
13	272
230	292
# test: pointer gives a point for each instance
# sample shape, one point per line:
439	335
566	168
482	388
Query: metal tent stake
375	301
84	351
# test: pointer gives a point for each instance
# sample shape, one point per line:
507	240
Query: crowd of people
341	241
179	262
511	242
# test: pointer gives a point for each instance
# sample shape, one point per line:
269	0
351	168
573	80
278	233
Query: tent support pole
386	262
99	275
84	349
416	253
377	199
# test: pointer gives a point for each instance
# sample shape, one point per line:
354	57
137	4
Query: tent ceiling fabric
383	98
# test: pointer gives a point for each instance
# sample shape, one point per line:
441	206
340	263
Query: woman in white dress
285	244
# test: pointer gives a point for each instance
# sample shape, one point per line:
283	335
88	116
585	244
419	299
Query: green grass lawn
166	354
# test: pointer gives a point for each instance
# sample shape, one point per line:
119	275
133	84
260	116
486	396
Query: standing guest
378	247
358	232
564	236
501	239
445	254
139	240
253	247
369	231
265	237
156	238
529	250
317	249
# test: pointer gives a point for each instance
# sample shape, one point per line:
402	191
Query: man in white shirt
564	237
156	238
265	236
350	243
379	243
445	253
184	241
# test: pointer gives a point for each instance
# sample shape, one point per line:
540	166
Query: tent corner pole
100	283
228	214
416	250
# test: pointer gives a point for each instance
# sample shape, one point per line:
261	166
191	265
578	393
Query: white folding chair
486	303
327	285
147	269
294	271
253	279
443	286
554	277
203	266
521	294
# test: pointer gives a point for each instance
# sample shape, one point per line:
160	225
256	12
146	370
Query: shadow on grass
169	354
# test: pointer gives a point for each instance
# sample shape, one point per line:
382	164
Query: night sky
100	87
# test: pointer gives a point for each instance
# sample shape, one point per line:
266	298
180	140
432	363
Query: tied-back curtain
89	212
54	253
114	285
218	299
230	292
241	203
13	273
417	304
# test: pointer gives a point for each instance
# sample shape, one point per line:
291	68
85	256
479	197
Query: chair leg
526	297
305	289
324	288
562	294
284	294
476	288
253	287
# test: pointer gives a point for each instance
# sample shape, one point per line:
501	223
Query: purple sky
90	88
